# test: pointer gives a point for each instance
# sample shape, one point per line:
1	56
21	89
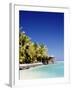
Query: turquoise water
44	71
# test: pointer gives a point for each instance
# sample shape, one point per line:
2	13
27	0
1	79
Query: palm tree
42	52
23	39
35	45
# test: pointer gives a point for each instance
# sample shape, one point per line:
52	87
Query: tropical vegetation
31	52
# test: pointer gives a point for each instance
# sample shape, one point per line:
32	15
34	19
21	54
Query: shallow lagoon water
44	71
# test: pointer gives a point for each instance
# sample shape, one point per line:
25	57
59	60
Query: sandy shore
27	66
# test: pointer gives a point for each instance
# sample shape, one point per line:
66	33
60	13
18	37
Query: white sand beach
25	70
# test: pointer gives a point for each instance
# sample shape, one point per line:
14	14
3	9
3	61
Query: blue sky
46	28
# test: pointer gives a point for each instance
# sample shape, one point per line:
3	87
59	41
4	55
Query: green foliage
30	52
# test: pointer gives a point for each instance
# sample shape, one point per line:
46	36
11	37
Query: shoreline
43	71
27	66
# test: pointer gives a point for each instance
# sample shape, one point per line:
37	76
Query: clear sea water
44	71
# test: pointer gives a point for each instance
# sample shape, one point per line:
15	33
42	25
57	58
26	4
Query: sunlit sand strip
27	66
